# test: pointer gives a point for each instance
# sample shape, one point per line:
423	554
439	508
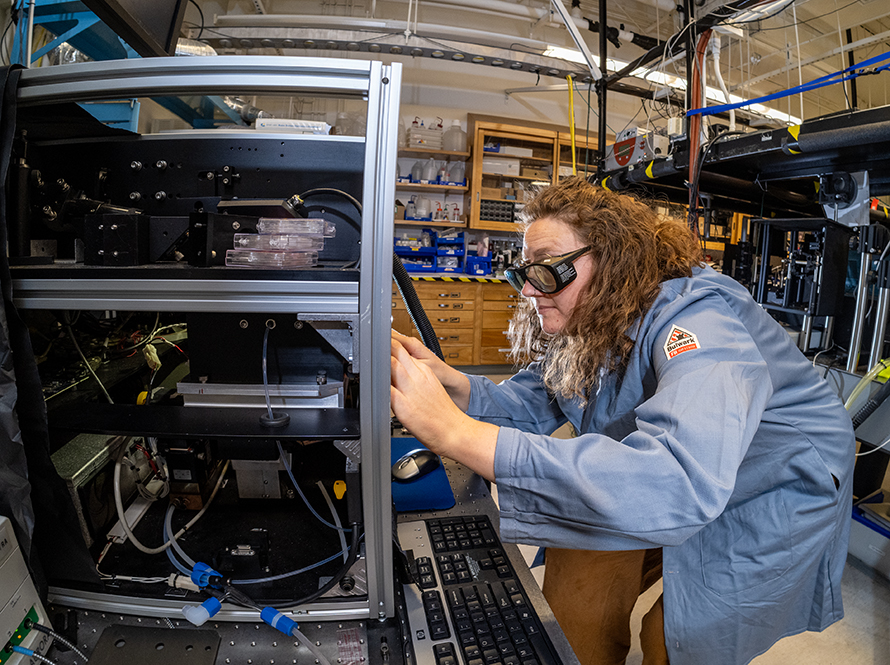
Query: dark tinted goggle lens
516	278
542	278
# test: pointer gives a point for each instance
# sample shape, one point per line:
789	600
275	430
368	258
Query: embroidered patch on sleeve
679	341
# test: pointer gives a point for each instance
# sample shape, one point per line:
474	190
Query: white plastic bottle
457	172
429	171
455	138
417	171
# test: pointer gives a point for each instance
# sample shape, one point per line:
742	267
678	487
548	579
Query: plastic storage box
869	541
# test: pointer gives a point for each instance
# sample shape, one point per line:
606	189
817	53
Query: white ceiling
805	40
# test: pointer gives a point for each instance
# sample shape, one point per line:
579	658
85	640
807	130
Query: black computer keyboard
470	608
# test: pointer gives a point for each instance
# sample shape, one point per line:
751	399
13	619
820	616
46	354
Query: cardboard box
529	172
492	193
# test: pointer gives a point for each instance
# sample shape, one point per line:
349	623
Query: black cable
872	404
399	274
415	309
198	7
48	631
340	574
693	184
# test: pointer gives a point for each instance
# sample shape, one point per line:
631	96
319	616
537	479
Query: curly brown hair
634	250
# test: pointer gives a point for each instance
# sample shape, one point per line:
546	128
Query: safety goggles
548	276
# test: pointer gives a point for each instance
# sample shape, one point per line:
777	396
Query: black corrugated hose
415	309
872	404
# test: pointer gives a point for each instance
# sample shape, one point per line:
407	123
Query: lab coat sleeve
521	401
671	476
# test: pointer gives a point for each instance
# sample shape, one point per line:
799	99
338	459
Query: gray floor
861	638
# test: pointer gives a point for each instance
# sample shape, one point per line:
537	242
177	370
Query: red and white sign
679	341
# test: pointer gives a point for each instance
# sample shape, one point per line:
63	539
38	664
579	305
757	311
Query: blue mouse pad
430	492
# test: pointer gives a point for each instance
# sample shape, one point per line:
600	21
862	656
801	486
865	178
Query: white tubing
327	498
306	642
723	87
168	528
119	505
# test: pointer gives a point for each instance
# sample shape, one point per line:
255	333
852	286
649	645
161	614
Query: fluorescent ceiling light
662	79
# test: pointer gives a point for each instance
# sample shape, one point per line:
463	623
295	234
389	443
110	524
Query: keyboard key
462	625
500	635
485	595
439	631
467	639
455	598
531	627
506	649
491	655
485	641
504	571
472	651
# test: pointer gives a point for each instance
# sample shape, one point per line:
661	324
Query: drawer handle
511	306
442	320
443	295
513	295
443	305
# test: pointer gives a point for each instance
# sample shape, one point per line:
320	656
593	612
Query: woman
704	438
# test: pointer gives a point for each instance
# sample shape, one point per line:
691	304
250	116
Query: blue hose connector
202	573
277	620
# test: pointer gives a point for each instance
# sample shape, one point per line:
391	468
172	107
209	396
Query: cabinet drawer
494	355
500	305
456	337
401	322
495	338
445	290
457	355
458	319
433	307
499	292
499	320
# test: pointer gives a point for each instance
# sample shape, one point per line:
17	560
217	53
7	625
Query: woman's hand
423	406
455	383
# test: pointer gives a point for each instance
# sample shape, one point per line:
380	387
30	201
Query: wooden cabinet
451	309
529	156
499	303
470	318
507	163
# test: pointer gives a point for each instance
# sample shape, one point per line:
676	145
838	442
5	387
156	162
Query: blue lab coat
720	443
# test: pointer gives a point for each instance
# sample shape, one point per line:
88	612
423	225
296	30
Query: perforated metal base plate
137	645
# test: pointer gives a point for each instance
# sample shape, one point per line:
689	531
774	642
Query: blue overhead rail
73	23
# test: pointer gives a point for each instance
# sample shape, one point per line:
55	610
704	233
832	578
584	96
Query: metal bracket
338	330
352	448
855	212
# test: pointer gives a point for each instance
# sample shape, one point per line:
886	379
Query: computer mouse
414	464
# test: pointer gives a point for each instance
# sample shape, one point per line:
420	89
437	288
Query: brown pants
592	595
